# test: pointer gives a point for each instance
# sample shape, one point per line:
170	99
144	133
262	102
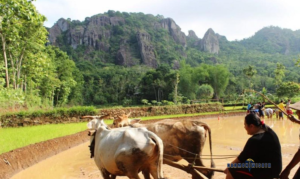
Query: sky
235	19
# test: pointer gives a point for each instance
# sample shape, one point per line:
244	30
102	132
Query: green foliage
75	111
218	79
249	72
126	102
154	102
157	84
144	101
279	74
48	76
288	89
273	40
10	98
205	92
23	37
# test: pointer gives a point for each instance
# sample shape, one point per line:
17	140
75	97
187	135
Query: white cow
127	151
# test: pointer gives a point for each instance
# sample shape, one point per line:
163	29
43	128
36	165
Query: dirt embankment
22	158
19	159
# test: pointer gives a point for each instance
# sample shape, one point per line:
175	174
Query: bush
58	112
144	101
154	102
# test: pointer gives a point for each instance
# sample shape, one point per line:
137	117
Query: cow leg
106	174
154	174
146	174
133	176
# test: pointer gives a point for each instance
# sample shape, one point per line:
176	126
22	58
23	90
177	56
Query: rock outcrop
59	27
174	30
146	49
124	56
210	42
193	35
92	34
104	33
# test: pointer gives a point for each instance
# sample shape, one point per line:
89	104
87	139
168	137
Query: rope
229	156
181	149
233	156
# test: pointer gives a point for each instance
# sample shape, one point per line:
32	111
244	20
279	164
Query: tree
288	89
190	79
155	84
205	91
249	72
173	80
22	35
218	79
279	74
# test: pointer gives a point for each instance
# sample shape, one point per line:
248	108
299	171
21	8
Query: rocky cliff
210	42
127	40
175	31
192	35
146	49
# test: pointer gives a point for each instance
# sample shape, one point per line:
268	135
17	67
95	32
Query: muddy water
229	138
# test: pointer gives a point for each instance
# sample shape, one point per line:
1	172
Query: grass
12	138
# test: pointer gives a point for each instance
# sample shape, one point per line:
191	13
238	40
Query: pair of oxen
139	147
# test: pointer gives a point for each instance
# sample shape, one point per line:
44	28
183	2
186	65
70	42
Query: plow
191	169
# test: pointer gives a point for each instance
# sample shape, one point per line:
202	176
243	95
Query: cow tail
210	145
206	127
160	145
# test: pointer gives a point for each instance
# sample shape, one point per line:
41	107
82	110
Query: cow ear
133	121
120	118
179	126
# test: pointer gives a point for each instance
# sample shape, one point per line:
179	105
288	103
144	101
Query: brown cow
182	140
121	121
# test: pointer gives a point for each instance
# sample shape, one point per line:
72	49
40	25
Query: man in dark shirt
262	148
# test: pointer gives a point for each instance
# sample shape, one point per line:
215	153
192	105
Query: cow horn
88	117
105	116
128	114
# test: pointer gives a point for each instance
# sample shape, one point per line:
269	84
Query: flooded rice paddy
228	138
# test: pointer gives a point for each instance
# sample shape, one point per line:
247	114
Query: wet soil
228	136
22	158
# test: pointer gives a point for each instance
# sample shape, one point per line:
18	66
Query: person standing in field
287	107
269	113
281	106
249	107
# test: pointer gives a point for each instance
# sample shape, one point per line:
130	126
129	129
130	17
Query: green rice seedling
13	138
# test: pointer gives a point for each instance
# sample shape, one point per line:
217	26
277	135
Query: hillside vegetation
120	58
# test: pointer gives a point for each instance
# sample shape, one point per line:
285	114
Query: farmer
262	147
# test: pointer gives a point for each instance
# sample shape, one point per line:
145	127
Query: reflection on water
228	137
231	131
